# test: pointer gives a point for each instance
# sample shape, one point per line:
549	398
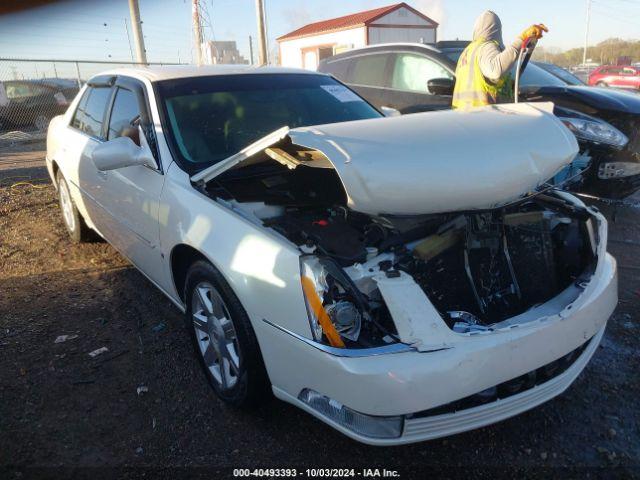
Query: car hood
433	162
595	97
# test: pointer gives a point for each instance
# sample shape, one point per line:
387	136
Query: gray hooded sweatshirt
495	59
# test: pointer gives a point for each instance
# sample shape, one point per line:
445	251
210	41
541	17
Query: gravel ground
62	408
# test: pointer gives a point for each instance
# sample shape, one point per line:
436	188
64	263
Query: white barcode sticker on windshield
342	93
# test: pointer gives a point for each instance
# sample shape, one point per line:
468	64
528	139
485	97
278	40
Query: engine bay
477	268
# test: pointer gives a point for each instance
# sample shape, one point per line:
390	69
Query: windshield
453	53
212	118
561	73
534	76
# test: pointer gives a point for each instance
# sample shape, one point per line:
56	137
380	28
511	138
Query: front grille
509	388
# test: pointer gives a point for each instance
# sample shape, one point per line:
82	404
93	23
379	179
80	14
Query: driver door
131	194
409	85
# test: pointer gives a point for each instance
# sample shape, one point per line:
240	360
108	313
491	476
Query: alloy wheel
215	334
67	206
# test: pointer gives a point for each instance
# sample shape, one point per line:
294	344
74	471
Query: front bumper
422	427
427	427
411	382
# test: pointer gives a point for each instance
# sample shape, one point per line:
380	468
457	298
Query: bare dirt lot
61	407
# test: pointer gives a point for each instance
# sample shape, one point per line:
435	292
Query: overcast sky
95	30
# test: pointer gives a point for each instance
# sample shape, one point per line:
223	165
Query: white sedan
399	278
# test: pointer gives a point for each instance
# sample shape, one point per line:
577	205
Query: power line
619	19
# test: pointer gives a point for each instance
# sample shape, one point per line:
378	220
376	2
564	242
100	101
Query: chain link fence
32	92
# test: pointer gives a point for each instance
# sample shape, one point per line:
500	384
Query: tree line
606	53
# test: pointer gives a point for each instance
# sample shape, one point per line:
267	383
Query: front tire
73	221
224	340
602	85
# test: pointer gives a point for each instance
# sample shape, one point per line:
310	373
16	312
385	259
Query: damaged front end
401	246
373	281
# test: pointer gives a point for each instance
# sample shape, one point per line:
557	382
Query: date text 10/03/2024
317	472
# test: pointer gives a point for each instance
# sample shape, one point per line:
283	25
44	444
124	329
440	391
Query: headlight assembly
334	305
595	131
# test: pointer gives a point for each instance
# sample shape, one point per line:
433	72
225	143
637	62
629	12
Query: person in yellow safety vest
483	71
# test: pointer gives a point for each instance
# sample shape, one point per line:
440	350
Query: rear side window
369	70
89	115
337	68
124	116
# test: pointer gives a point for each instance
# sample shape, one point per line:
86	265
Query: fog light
367	425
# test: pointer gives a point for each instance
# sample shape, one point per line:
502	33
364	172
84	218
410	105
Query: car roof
415	46
170	72
383	46
398	44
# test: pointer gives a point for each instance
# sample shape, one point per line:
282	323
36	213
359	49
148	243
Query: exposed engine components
477	269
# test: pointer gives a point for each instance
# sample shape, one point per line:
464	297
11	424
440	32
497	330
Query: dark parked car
33	103
416	78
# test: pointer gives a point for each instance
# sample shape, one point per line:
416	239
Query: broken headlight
595	131
334	305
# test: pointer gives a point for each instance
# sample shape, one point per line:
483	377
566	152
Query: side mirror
441	86
390	111
122	152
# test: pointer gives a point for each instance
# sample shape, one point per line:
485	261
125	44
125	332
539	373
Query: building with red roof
307	45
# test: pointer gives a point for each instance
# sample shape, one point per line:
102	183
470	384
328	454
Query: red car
619	76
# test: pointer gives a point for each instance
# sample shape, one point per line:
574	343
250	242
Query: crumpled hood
488	27
435	162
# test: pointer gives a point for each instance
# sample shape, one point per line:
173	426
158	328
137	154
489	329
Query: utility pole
586	33
126	29
262	35
266	34
250	50
197	33
136	25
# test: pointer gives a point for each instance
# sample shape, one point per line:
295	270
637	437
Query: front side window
212	118
412	72
125	116
91	109
369	70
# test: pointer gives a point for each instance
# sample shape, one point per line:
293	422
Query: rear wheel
224	340
602	84
73	221
41	123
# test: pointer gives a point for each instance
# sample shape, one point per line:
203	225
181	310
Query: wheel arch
181	258
55	168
